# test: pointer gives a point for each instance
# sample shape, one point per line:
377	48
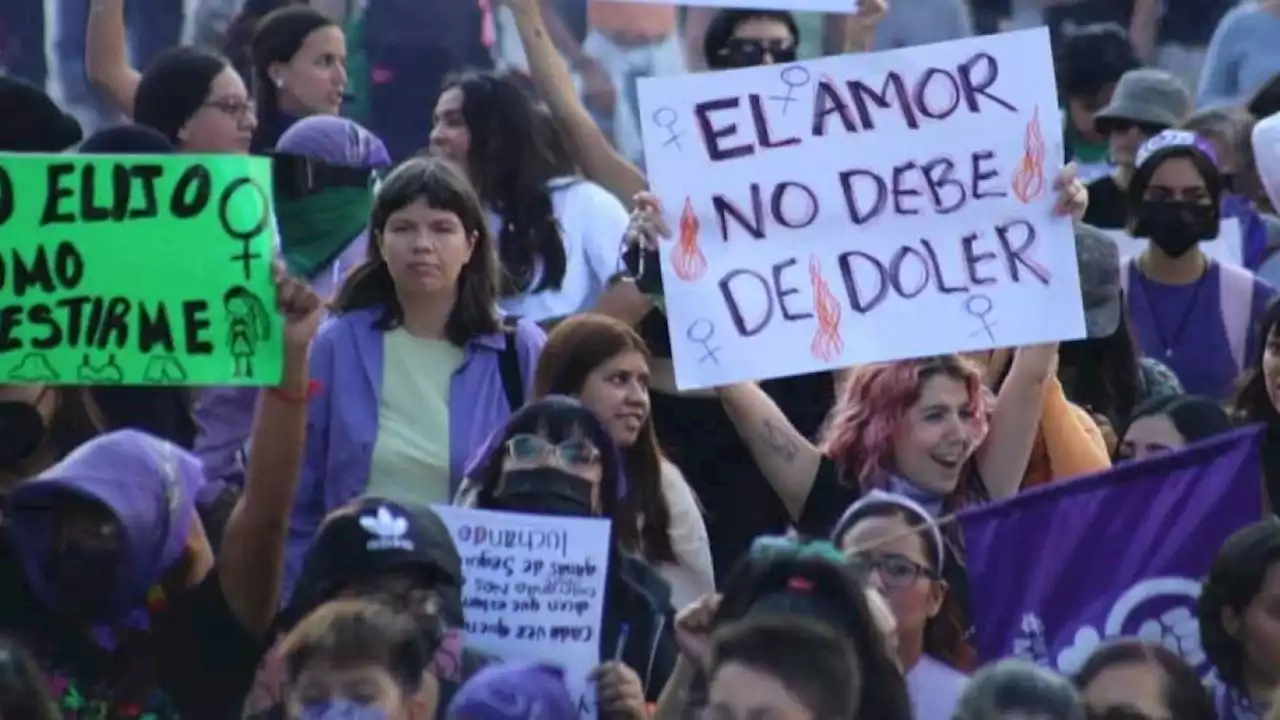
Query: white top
592	225
692	575
935	689
1266	153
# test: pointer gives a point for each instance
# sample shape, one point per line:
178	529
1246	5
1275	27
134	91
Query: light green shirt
411	454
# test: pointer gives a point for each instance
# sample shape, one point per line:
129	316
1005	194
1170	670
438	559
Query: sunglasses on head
1111	126
298	176
741	52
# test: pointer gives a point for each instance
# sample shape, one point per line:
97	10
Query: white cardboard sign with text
832	6
534	589
861	208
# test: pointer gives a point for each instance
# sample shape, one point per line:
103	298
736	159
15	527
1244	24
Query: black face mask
545	491
83	580
653	329
1175	226
22	432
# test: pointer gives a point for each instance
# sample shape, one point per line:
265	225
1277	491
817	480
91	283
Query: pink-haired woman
910	427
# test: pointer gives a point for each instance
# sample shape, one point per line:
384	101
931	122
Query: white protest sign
861	208
1227	248
534	589
832	6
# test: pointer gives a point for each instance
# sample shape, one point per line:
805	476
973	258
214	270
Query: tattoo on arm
777	440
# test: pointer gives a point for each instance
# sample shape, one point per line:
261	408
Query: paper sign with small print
1227	248
137	270
861	208
831	6
534	589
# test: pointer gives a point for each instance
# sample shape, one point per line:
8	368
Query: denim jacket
342	420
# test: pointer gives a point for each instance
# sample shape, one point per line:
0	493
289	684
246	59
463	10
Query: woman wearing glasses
604	364
556	457
896	538
198	97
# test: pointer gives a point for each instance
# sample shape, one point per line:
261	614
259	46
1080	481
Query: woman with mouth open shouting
909	427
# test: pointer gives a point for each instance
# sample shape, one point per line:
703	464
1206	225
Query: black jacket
638	599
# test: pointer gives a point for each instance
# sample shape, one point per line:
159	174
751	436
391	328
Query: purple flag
1056	571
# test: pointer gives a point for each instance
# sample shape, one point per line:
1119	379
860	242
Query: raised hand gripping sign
137	270
534	590
861	208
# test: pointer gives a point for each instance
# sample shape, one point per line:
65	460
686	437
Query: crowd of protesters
477	331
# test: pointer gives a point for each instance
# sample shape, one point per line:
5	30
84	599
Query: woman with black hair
199	100
237	40
1168	423
558	236
1108	378
1191	313
907	557
1238	630
299	69
785	668
417	367
1146	679
555	457
194	97
749	38
1259	398
781	577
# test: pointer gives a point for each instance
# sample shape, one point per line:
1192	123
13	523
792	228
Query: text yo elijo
53	281
875	190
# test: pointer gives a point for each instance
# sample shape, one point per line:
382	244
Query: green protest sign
137	270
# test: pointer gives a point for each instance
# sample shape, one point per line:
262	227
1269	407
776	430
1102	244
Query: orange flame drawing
1028	180
827	344
687	258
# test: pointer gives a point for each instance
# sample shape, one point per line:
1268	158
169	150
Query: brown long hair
442	186
574	349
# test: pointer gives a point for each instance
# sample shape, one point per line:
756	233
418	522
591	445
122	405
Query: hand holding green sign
137	270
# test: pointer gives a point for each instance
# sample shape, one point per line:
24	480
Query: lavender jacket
342	420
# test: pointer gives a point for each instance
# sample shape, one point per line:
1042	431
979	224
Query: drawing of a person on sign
248	324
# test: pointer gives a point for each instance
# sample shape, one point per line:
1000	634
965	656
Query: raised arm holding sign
861	208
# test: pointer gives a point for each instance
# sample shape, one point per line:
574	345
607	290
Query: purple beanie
514	691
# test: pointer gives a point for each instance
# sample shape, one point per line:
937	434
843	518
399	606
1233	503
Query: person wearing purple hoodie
107	576
511	691
323	177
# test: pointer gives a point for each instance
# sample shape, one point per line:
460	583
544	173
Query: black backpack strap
509	365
